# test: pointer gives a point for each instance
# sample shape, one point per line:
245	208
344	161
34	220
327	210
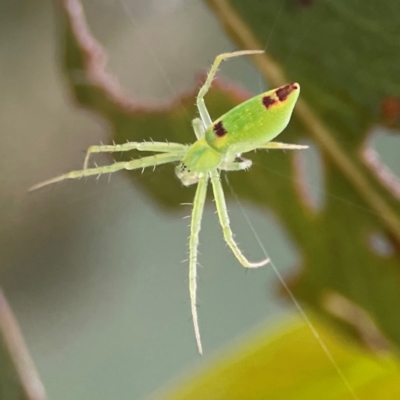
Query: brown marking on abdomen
284	91
268	101
219	129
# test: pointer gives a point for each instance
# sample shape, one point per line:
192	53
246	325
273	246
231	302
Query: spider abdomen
254	122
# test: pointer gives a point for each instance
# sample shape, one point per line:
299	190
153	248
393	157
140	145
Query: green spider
219	145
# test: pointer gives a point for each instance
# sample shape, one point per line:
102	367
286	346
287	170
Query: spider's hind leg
225	223
239	164
283	146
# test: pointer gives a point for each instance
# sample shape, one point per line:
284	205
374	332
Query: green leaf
288	365
18	377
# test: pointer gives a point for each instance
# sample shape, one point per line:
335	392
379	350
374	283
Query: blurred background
95	270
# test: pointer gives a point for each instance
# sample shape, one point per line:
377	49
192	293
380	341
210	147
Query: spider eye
186	176
184	168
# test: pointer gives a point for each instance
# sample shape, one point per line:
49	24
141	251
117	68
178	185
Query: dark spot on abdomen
268	101
284	91
219	129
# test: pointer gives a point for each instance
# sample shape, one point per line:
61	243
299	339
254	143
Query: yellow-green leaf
289	365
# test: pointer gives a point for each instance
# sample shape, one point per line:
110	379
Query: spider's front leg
201	106
198	128
140	163
157	147
195	224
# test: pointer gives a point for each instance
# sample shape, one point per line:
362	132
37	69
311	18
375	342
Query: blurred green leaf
18	377
288	365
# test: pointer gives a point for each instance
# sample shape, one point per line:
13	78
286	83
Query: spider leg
197	214
225	223
283	146
161	147
201	106
198	128
144	162
238	164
